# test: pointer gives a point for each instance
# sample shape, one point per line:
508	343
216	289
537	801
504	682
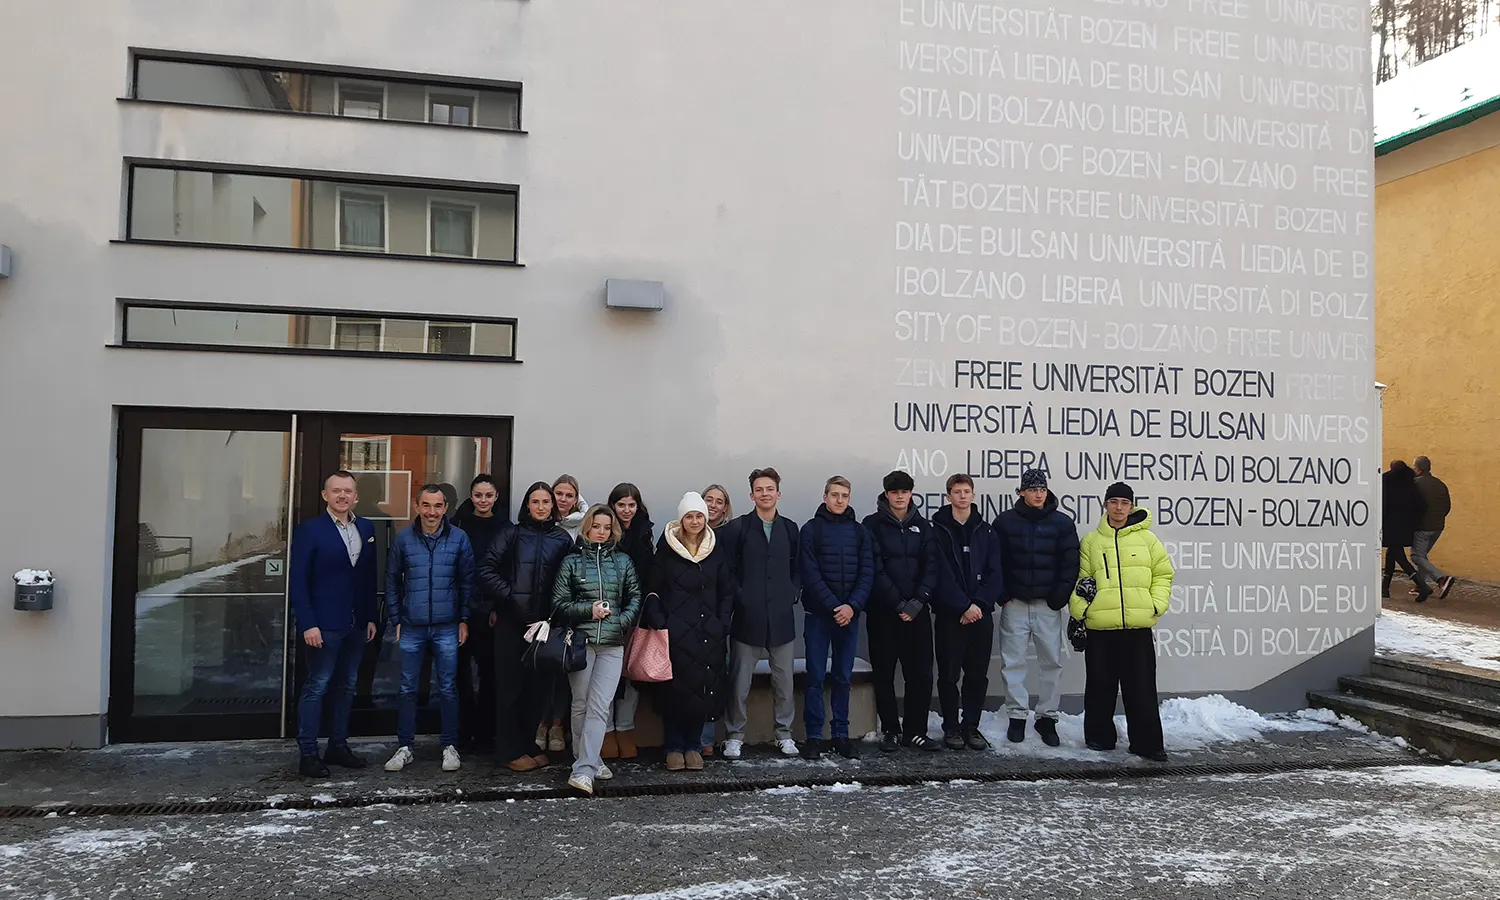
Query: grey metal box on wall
4	261
626	293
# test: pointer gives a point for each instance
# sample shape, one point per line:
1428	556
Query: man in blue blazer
333	599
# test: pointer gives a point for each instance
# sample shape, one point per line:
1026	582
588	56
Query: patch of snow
838	787
1462	777
1469	645
103	843
324	798
786	791
722	890
33	576
267	830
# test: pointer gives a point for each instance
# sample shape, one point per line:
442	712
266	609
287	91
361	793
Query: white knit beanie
692	501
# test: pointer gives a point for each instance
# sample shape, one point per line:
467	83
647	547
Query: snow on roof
1445	92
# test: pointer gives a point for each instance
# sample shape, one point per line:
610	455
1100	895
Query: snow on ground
1470	645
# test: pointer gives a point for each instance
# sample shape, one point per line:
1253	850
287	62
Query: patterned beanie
1033	478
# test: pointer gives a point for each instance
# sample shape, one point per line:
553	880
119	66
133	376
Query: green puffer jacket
1132	571
598	572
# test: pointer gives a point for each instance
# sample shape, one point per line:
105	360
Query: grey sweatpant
742	660
593	695
1024	625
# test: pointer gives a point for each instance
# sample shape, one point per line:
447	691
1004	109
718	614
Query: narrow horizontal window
326	92
264	209
325	332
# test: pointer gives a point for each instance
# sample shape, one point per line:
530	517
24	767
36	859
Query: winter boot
1016	733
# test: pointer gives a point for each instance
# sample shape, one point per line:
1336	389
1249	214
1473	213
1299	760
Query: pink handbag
648	656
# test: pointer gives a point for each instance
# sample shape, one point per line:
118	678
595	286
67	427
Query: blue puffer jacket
429	580
838	564
1038	552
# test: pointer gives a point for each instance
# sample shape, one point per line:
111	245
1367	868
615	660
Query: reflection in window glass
327	94
240	328
261	210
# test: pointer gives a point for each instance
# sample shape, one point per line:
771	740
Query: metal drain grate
661	789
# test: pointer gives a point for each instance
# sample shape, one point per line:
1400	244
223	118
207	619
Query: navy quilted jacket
838	564
429	579
1039	553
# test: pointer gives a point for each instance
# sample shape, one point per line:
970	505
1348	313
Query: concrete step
1422	698
1464	681
1447	736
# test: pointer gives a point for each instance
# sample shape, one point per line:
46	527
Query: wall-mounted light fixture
4	261
626	293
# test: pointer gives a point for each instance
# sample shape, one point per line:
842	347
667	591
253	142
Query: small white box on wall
626	293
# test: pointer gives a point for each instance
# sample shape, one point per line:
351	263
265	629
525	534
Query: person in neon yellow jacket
1133	575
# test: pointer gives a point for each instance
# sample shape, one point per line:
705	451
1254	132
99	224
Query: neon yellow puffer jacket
1133	572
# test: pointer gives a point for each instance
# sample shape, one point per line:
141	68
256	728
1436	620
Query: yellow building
1437	282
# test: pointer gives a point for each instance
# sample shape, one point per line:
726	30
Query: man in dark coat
480	518
1401	510
838	571
898	621
1039	555
964	618
1436	505
762	550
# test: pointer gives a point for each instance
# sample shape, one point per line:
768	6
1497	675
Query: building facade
255	242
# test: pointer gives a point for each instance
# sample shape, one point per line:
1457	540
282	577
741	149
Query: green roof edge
1438	126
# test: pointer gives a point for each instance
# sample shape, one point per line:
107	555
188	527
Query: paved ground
1470	602
1398	833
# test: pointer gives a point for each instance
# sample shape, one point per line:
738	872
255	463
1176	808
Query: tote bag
648	656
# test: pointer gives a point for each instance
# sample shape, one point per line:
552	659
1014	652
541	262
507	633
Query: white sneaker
787	746
582	783
399	761
604	773
450	758
732	748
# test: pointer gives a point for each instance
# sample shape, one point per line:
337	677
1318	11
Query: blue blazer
327	592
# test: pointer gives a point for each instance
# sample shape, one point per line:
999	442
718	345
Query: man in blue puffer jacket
838	571
429	583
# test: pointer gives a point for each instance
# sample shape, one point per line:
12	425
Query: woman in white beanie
691	595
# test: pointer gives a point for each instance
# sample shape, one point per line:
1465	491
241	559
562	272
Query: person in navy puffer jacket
838	572
429	583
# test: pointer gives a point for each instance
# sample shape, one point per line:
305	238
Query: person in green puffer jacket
1133	575
597	593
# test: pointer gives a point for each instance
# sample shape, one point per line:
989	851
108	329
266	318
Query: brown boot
541	760
610	749
675	762
693	761
707	751
626	740
522	764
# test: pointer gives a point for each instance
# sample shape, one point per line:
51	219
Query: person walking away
970	586
570	509
1133	576
596	591
1430	528
429	583
692	598
768	583
720	514
516	574
1401	509
1039	555
637	541
332	592
838	572
478	519
899	622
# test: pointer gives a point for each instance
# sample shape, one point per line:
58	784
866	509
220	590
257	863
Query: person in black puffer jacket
636	542
692	598
481	521
899	623
1402	508
1039	555
516	575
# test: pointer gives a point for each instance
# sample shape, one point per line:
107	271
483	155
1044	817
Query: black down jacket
638	543
1402	507
694	602
517	572
1038	553
906	561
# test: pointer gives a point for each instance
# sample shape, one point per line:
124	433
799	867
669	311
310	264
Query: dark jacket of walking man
1434	518
964	619
333	599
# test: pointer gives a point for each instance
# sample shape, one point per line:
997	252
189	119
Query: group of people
1414	508
475	589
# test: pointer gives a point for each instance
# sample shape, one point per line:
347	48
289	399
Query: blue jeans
443	639
681	735
821	632
331	672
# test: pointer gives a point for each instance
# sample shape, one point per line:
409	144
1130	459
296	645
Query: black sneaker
343	756
890	743
923	742
812	749
312	767
1154	755
1446	585
1016	733
976	741
1102	748
1047	728
845	748
954	740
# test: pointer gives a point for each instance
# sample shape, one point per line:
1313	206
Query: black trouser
966	650
1123	662
476	684
908	644
1396	556
518	696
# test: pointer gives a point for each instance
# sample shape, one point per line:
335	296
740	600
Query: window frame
124	341
338	220
333	333
340	85
473	96
473	209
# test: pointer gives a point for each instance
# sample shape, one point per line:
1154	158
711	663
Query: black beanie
1119	489
898	481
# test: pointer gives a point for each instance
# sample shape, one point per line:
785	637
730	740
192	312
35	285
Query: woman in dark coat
638	542
1401	508
692	597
